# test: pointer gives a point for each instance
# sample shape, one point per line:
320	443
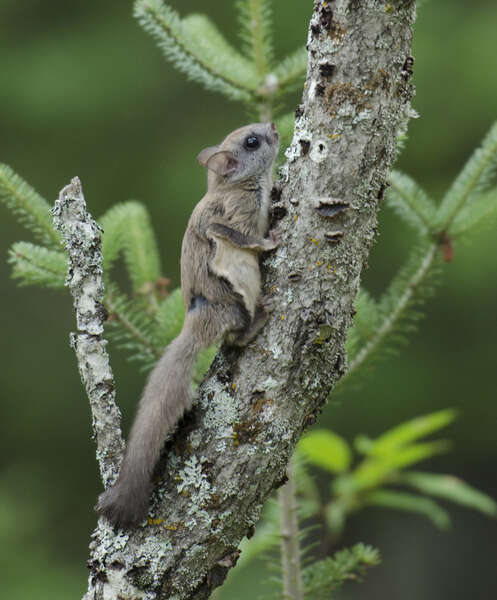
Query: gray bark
83	243
231	451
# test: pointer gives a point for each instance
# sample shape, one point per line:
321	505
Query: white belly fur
241	269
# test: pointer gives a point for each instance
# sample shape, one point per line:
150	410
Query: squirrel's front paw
268	304
273	241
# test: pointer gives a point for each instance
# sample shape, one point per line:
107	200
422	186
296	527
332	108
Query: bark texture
231	451
82	239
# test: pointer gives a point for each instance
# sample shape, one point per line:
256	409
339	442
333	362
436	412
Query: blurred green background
84	91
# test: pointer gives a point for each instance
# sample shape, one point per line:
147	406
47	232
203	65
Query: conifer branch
411	203
37	265
134	328
393	312
481	212
255	31
474	179
197	49
127	228
291	70
325	576
32	210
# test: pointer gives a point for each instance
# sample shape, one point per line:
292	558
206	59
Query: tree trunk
231	451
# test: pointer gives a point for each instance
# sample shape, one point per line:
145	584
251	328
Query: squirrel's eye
252	142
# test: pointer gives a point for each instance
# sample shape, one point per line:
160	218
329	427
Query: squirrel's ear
223	163
206	153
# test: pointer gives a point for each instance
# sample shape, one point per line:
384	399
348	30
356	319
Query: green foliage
168	323
169	318
290	71
481	212
474	179
266	536
367	483
285	125
405	433
328	575
386	462
450	488
37	265
380	326
256	33
127	228
326	449
410	503
411	203
28	206
131	328
136	323
203	362
366	324
195	46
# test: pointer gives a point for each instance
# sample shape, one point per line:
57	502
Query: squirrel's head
245	153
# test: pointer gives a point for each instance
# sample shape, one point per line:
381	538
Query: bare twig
289	532
82	240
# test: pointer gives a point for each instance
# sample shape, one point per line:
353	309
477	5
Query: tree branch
231	451
82	240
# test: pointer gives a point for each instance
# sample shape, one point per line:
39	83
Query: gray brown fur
221	288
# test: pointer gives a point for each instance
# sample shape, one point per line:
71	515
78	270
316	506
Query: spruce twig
32	210
197	49
393	316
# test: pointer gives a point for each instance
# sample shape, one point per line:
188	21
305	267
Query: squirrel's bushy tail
166	397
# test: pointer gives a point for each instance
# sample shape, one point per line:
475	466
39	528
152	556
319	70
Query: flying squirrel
221	289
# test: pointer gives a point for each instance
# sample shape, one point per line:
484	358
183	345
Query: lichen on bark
232	449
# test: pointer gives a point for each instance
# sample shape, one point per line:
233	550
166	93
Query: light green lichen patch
221	409
195	485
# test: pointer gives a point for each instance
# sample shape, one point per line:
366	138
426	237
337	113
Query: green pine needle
36	265
256	33
474	179
366	321
411	203
381	328
127	227
195	47
291	71
169	318
480	213
131	328
327	575
30	208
